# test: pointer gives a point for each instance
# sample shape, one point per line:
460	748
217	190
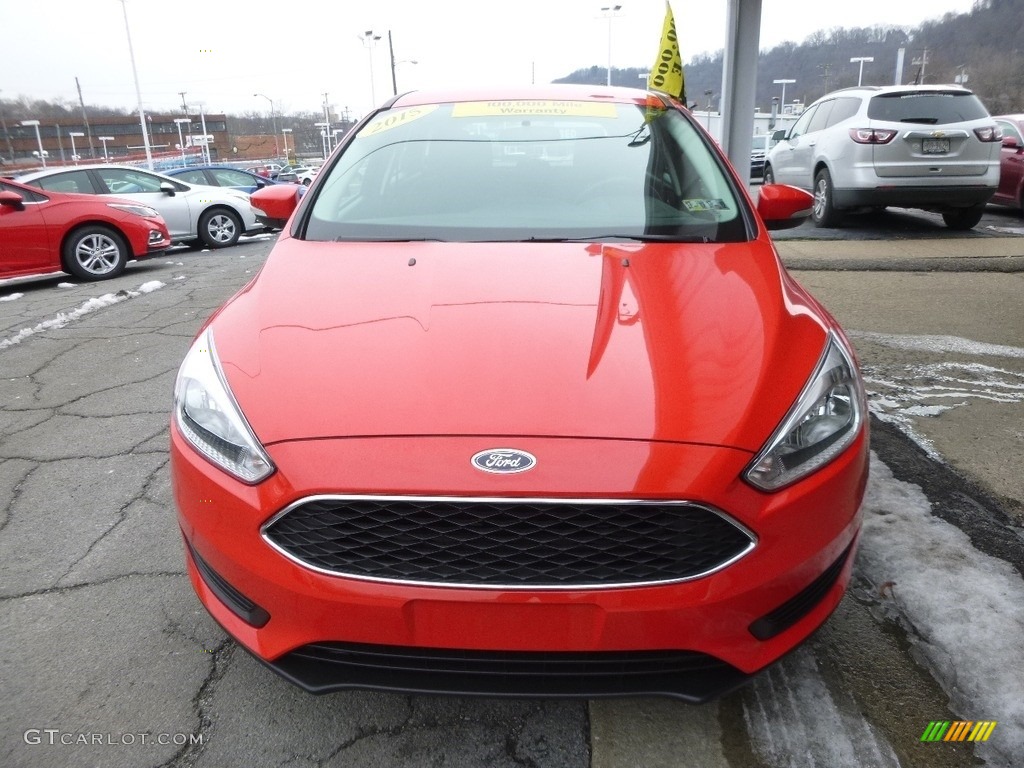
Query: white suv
914	146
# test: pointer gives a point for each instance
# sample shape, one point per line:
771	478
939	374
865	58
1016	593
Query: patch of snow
794	722
965	609
938	344
66	285
91	305
11	297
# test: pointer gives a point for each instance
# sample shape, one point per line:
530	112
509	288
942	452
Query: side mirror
779	135
783	207
168	189
11	200
274	204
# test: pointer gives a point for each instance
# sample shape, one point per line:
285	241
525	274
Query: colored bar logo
958	730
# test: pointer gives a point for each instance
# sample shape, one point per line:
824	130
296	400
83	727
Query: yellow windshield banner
529	108
667	72
385	121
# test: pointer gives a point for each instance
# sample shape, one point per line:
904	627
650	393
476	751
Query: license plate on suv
935	146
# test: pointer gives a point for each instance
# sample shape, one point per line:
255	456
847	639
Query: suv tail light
872	135
989	133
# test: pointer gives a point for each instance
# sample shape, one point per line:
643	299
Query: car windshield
926	107
527	171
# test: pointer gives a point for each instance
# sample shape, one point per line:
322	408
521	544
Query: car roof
875	90
84	167
554	92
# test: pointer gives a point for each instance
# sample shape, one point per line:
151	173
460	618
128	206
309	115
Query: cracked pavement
103	637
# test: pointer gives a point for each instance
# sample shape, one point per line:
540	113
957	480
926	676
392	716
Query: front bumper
694	640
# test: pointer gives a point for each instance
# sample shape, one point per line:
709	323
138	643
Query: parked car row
45	231
90	220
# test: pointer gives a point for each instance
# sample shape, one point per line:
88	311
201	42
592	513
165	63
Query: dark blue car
221	176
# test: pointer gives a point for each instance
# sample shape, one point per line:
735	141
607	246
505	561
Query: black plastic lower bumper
328	667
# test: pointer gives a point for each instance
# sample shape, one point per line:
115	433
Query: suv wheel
963	218
769	175
824	213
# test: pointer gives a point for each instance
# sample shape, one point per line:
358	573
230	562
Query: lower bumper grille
508	543
329	667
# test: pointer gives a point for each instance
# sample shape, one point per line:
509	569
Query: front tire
768	177
824	213
220	227
95	253
963	218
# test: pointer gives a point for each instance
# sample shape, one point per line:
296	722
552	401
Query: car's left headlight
137	210
824	421
210	419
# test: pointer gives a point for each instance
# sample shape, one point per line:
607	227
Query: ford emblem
504	461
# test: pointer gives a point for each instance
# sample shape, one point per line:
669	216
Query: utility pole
923	62
85	117
827	76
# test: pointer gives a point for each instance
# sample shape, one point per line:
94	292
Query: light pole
784	81
369	40
138	91
105	139
204	145
861	59
179	121
325	129
273	118
284	135
74	152
39	139
610	12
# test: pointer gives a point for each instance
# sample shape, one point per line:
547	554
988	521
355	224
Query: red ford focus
93	239
522	403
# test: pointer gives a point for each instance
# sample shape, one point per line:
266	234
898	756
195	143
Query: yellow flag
667	72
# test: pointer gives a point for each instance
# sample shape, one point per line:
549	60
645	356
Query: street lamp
610	12
273	118
205	143
782	102
74	152
105	139
391	50
284	135
369	40
861	59
39	139
180	121
325	129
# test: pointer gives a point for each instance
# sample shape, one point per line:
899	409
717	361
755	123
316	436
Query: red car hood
691	343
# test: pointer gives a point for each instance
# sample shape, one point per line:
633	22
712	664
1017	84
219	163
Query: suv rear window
926	107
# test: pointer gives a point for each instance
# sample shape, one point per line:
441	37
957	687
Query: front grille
508	543
687	675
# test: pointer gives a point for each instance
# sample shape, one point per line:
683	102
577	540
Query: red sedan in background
1011	163
92	238
522	402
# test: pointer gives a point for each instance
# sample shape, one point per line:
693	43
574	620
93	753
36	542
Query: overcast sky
222	51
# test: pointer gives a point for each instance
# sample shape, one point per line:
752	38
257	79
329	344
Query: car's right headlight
825	419
209	417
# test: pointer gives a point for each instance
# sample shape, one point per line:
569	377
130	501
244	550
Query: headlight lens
137	210
823	422
210	419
